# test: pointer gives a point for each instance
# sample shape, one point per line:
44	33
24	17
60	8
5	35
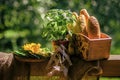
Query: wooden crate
93	49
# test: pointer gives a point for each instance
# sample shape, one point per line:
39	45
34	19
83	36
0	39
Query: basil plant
55	24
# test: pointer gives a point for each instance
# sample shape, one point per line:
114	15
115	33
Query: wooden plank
21	71
111	67
38	69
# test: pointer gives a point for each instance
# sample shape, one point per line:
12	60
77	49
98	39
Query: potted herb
55	29
55	24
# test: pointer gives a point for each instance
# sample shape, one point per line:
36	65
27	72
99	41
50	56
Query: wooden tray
23	59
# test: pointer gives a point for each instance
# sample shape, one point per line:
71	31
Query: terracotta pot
93	49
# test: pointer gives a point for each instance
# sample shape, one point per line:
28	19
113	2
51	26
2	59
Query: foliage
21	20
56	21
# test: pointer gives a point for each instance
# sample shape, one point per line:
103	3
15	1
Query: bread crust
93	28
85	13
87	16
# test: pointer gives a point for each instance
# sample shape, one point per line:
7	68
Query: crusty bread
75	14
80	23
87	25
83	24
92	25
93	28
85	13
87	16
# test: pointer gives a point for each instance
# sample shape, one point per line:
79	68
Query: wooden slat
38	69
21	71
111	67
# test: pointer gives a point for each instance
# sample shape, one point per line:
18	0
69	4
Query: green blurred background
21	20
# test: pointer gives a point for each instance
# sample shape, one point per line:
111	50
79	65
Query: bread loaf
87	16
83	24
93	28
85	13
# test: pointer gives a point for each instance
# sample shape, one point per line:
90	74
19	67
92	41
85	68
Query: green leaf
56	21
20	53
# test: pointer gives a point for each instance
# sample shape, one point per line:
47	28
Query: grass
109	78
57	78
44	78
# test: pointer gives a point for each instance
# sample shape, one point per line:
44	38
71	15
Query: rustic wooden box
93	49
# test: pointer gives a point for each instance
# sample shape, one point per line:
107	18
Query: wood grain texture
111	67
24	70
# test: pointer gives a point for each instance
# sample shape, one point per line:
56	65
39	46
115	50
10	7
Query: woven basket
92	49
